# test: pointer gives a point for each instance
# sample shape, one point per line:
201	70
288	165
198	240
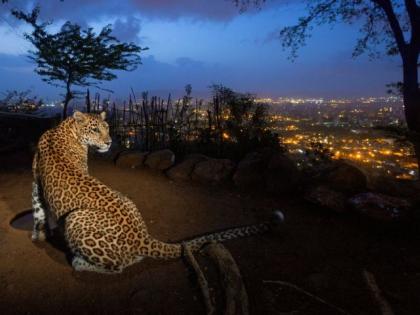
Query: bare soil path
323	253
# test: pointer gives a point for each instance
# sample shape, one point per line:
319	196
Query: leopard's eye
96	129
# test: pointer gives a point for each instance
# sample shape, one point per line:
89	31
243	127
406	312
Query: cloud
161	77
219	10
158	77
125	15
127	30
188	62
338	76
81	11
17	73
212	10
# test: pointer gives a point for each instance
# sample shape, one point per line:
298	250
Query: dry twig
295	287
377	294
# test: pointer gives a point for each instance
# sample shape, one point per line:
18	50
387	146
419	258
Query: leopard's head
93	130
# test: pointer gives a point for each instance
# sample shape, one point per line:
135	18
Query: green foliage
76	56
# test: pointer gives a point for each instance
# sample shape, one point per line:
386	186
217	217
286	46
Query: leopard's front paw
38	236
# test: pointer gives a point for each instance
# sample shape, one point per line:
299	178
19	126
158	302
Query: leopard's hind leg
80	264
39	214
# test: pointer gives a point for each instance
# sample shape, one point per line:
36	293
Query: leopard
103	229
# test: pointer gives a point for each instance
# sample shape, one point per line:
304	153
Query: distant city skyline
202	43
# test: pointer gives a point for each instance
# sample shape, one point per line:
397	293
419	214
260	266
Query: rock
183	170
281	174
160	160
213	170
381	207
131	159
327	198
347	178
409	189
250	171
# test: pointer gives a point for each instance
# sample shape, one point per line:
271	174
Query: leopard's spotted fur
104	229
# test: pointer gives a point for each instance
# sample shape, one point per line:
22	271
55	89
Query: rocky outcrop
130	159
267	170
381	207
213	170
347	178
160	160
281	175
250	172
183	170
408	189
327	198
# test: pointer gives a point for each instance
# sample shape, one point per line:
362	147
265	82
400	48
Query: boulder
347	178
381	207
328	198
160	160
183	170
409	189
281	174
250	171
213	170
131	159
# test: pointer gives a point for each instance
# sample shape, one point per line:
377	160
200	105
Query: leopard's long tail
196	243
175	250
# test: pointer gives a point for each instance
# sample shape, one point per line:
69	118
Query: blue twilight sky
203	42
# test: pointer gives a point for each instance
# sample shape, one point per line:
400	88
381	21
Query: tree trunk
88	101
68	98
411	94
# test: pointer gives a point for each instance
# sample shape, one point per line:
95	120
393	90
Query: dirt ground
321	252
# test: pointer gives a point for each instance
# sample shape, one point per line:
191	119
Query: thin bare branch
295	287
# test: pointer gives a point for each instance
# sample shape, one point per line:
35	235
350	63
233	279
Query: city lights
347	129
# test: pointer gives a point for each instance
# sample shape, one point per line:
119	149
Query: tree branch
294	37
386	5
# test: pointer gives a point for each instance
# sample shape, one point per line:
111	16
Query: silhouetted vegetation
237	124
230	125
317	153
20	101
76	56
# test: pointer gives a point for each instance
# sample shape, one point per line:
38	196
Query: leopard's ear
103	115
79	116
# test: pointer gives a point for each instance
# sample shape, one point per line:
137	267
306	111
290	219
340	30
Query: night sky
203	42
